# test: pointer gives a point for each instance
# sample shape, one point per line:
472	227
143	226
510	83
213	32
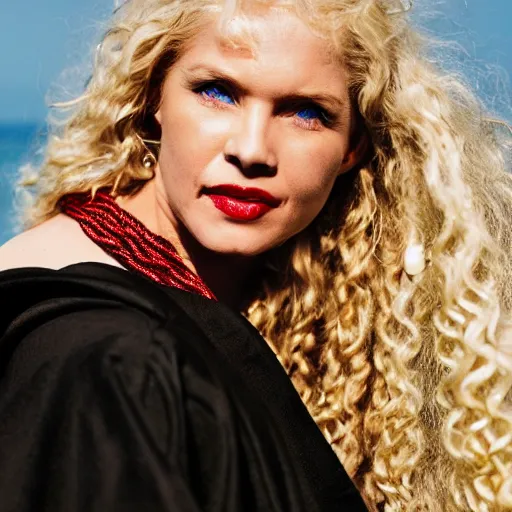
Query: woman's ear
357	151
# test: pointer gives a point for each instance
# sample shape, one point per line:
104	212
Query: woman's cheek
311	183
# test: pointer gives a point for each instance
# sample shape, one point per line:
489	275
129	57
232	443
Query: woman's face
278	121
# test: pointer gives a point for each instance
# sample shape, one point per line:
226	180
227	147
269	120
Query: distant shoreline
21	137
9	126
4	125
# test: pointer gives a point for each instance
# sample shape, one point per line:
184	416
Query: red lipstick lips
242	203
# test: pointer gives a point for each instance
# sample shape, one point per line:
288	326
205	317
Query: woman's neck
226	275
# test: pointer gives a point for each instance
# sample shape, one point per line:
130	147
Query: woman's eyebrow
329	100
206	72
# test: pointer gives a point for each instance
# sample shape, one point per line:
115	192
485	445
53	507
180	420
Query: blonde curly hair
409	380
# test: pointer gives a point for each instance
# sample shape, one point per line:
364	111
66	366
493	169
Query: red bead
127	240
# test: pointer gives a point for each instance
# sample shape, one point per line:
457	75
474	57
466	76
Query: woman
301	163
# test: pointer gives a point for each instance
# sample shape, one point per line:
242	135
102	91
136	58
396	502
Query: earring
149	160
414	259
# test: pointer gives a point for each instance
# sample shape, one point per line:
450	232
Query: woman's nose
249	145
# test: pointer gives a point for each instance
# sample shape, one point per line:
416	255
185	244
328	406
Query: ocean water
17	146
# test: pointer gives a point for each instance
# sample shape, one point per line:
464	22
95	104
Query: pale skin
278	119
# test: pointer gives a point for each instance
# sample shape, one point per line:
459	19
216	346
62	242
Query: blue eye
308	117
310	113
218	94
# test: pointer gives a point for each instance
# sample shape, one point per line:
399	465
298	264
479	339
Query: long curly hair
408	379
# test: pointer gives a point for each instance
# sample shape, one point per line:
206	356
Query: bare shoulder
55	243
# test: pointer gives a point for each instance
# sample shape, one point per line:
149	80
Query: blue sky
38	40
41	38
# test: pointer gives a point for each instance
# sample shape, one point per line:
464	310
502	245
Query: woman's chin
241	252
236	247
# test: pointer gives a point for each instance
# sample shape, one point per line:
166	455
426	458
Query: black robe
118	394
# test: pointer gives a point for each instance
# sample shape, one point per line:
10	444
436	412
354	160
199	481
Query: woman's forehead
279	44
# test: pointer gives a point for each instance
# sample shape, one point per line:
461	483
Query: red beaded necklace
127	240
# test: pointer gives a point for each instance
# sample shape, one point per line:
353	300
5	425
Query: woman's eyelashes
310	115
217	93
307	114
